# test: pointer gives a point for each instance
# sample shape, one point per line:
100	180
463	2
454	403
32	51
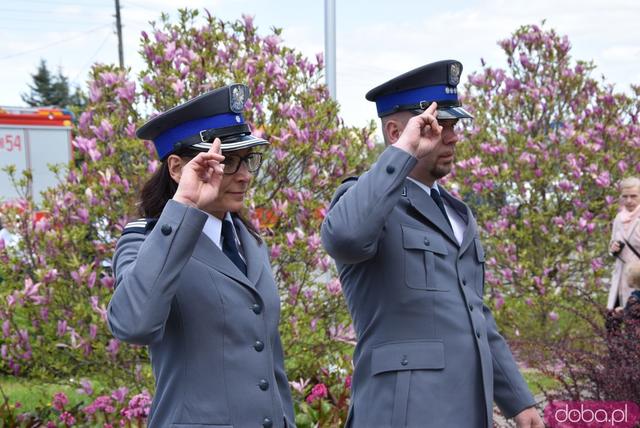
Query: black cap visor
229	144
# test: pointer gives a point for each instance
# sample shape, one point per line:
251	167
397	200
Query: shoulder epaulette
141	225
352	178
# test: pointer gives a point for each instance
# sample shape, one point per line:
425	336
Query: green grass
538	381
32	394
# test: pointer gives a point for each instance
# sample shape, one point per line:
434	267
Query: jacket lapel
252	252
463	210
423	203
208	253
469	233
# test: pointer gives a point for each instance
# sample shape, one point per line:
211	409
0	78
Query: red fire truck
33	138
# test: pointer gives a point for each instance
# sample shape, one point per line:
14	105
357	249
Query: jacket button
470	307
267	423
404	361
477	334
391	169
256	308
258	346
263	384
426	241
166	229
464	281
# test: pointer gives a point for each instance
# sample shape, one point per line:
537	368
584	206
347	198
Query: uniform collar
213	229
425	187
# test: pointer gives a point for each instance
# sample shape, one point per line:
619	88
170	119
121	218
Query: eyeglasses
253	161
456	125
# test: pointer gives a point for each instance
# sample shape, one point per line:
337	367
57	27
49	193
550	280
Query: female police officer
195	284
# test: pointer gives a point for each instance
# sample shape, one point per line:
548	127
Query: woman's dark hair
160	187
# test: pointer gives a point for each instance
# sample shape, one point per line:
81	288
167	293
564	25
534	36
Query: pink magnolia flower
275	251
248	21
178	88
120	394
291	238
160	37
499	301
127	92
334	287
299	385
113	347
85	387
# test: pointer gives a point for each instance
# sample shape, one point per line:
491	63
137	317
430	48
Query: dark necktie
435	195
229	246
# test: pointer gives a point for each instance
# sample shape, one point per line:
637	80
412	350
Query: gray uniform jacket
429	353
212	332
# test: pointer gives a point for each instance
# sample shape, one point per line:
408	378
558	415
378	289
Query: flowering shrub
539	165
119	409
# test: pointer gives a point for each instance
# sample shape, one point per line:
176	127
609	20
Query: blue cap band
388	103
165	141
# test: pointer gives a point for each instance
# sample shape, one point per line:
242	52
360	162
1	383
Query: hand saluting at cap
421	134
201	177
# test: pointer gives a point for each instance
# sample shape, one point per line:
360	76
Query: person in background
193	278
625	241
632	308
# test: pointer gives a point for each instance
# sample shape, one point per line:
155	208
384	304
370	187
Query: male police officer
412	266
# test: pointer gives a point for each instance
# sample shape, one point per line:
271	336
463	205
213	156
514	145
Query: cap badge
237	98
454	73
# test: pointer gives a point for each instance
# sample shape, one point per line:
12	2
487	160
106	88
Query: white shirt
457	223
213	229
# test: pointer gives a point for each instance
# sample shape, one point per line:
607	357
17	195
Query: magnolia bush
539	165
57	281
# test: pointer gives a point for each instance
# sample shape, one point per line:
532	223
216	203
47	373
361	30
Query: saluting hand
421	134
200	178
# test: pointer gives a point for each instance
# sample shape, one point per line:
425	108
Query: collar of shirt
213	229
457	223
425	187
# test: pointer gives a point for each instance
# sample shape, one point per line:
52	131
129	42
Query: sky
376	40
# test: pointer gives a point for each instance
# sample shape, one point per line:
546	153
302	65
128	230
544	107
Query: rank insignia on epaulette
141	225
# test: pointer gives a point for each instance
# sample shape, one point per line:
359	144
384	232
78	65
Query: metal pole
119	28
330	45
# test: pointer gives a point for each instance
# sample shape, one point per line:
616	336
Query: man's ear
392	129
175	164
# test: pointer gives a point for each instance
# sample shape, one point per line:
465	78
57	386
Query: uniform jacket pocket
421	249
398	356
400	360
